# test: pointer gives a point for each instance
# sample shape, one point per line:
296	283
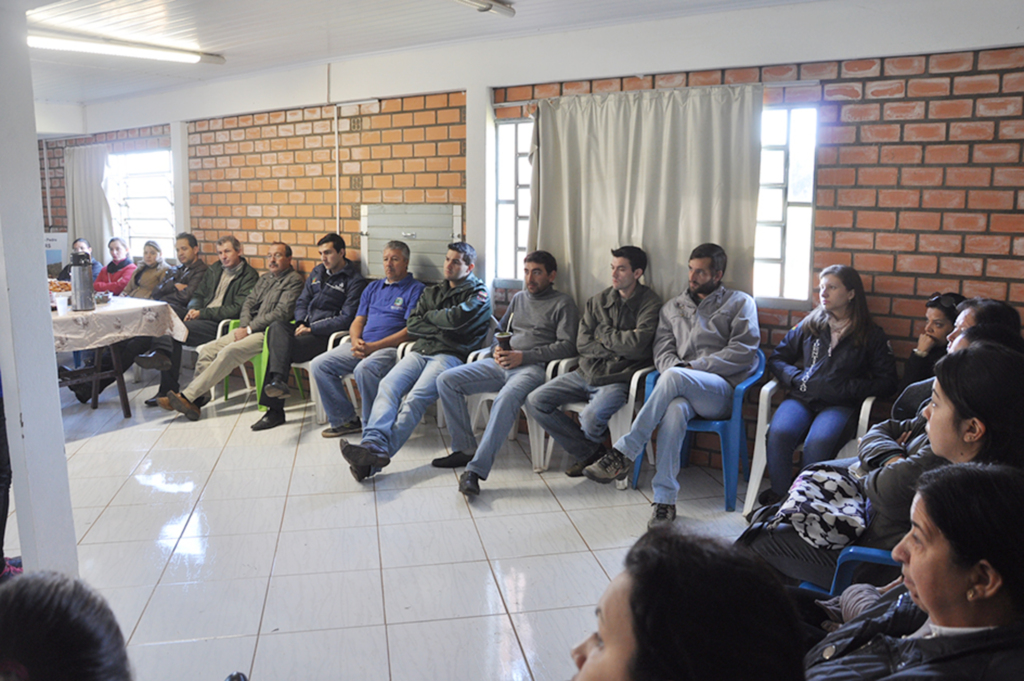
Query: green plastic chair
259	368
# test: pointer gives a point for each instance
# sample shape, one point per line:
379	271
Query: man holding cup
539	326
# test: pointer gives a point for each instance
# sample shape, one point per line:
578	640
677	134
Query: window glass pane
148	186
801	155
523	202
525	137
798	253
768	242
525	170
524	232
773	127
766	279
506	162
769	205
506	242
773	166
149	208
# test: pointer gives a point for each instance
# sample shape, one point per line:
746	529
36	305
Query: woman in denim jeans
829	363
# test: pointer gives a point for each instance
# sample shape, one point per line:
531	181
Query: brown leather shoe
181	404
164	402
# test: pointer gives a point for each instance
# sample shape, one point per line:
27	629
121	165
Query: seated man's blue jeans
393	419
485	376
544	405
826	430
678	396
328	370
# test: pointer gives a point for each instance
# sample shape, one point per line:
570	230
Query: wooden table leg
97	367
122	390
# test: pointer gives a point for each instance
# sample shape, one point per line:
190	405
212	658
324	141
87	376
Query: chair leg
298	383
730	467
636	467
540	453
757	467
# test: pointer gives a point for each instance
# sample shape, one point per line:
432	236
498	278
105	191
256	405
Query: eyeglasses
947	300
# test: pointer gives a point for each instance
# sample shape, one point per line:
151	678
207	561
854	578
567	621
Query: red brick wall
51	170
920	184
271	176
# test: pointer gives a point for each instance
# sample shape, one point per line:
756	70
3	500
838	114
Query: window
140	188
514	173
784	236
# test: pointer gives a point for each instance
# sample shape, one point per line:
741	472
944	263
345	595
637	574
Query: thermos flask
81	282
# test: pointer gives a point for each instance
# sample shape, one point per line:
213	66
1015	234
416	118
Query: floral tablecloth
118	320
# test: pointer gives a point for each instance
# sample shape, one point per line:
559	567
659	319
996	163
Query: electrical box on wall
426	229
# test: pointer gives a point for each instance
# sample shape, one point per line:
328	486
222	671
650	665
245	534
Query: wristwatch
918	352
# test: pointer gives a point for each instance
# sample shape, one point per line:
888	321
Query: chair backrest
741	390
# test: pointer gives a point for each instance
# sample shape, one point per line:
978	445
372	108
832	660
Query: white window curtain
662	170
89	214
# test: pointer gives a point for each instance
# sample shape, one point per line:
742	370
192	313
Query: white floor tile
406	473
468	649
549	635
547	582
94	491
235	516
420	505
437	592
334	600
213	558
529	535
446	541
137	523
195	610
513	497
325	511
104	464
160	487
606	528
330	479
350	654
257	483
136	563
128	602
210	658
333	550
249	457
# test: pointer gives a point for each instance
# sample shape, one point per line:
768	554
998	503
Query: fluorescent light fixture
118	48
495	6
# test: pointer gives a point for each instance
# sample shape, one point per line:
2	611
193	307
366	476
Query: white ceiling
263	35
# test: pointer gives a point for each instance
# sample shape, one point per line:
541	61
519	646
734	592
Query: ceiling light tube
494	6
121	49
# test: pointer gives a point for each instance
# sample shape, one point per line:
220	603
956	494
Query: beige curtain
662	170
89	214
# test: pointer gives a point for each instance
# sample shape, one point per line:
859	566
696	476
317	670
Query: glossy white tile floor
221	549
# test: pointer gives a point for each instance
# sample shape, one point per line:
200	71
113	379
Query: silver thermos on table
81	282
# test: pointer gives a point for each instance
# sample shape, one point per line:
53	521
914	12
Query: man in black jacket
328	303
219	296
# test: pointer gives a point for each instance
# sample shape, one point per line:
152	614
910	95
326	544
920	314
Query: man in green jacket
221	292
450	320
272	299
615	339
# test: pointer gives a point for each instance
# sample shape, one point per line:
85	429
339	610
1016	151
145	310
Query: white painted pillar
179	169
480	160
34	427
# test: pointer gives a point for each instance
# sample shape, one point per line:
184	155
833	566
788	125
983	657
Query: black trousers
199	331
284	349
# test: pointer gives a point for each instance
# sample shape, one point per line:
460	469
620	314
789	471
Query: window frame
781	302
119	202
498	281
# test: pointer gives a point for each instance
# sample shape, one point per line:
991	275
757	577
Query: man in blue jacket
327	304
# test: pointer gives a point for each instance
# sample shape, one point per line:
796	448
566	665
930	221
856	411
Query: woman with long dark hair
960	610
115	276
829	363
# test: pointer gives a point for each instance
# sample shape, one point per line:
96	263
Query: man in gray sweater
272	299
706	344
543	324
614	341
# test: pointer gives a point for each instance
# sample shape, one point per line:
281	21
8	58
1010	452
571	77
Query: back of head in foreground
55	628
698	610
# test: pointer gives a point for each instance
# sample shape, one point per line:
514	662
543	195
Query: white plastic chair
481	413
618	424
336	338
764	417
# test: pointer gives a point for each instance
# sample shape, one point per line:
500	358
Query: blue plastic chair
731	433
849	559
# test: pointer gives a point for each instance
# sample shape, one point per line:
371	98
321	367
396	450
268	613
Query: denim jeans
485	376
678	396
826	430
544	405
393	419
328	369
